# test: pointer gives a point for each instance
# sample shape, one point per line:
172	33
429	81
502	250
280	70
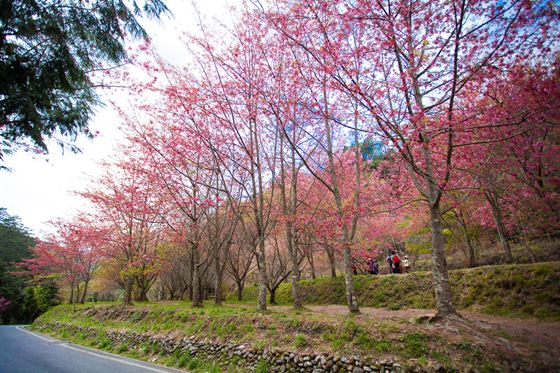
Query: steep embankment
325	338
517	290
236	338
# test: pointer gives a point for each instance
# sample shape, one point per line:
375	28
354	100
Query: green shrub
194	363
416	345
122	348
105	344
300	341
262	366
184	360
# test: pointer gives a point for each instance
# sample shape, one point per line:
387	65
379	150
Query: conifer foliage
48	53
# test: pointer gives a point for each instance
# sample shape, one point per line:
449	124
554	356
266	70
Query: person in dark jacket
373	266
390	264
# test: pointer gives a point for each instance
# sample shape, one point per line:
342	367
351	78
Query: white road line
119	360
104	355
35	335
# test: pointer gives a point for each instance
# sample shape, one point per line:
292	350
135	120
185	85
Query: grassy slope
394	339
518	290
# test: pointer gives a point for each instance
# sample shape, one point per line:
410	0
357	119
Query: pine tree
48	48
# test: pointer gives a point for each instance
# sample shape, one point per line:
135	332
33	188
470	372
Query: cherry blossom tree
126	206
73	252
424	64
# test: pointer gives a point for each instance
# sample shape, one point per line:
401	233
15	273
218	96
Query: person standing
396	262
390	264
406	264
373	266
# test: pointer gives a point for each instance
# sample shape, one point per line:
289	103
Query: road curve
22	351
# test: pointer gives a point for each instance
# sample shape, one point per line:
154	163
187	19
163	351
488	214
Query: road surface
22	351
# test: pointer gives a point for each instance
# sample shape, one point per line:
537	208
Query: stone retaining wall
243	355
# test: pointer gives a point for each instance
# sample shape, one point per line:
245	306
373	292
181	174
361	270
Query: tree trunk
83	298
128	290
219	285
191	278
273	296
442	289
332	263
500	227
295	271
239	291
472	253
144	294
258	211
311	262
196	293
288	208
261	301
71	297
351	299
74	295
296	294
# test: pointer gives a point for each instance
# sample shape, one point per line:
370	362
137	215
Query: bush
300	341
262	366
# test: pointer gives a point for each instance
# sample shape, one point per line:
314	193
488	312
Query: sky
42	188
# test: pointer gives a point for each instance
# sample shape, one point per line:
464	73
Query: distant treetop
15	238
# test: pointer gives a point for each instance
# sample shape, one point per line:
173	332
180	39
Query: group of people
394	262
396	265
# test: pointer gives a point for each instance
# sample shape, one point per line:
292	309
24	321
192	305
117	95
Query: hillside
516	290
324	338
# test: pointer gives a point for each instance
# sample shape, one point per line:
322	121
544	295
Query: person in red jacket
396	262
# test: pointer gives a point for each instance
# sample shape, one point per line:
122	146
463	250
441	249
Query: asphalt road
22	351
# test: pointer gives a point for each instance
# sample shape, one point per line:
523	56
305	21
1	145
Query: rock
357	370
